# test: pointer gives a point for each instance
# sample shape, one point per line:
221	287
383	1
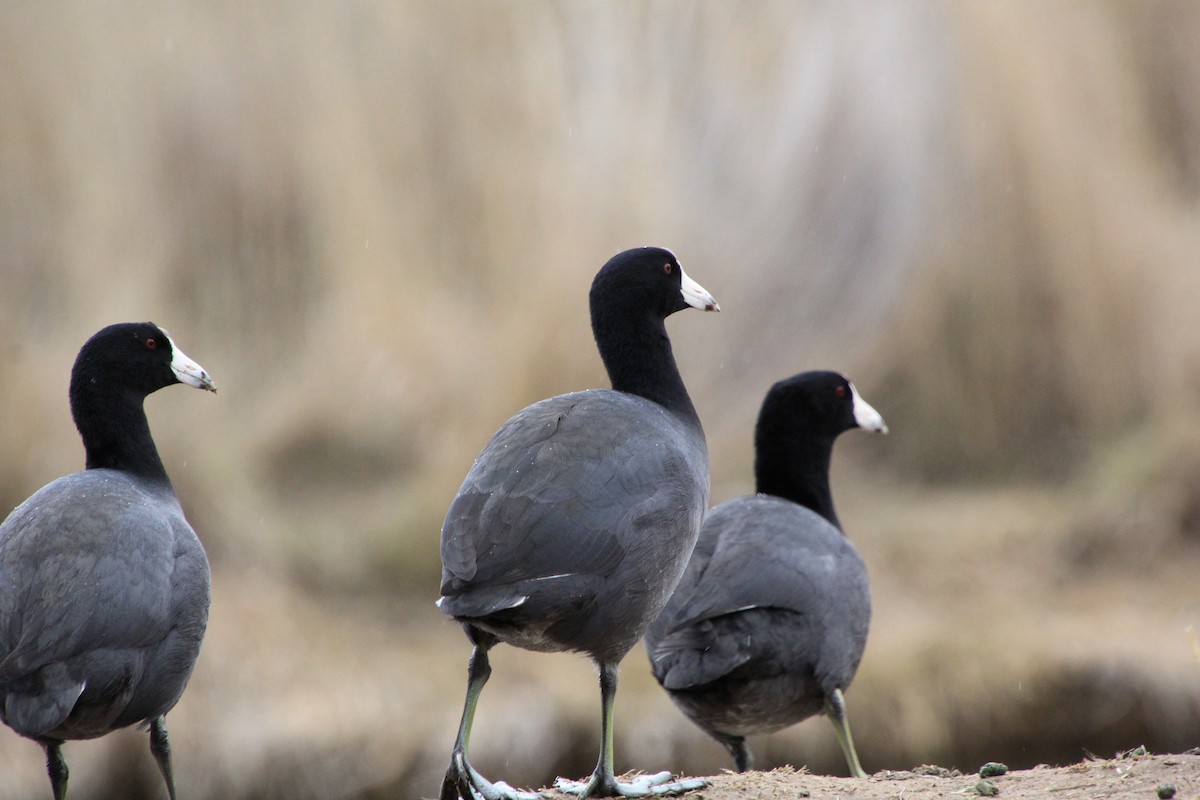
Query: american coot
576	520
104	586
769	622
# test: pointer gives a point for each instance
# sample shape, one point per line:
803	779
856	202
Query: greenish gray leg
743	761
461	778
160	748
603	783
56	767
835	708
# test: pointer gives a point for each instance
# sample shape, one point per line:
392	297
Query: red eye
840	391
667	268
151	344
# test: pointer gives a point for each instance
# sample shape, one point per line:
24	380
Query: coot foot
462	781
602	783
642	786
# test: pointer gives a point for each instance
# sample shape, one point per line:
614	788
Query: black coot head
826	401
647	277
138	357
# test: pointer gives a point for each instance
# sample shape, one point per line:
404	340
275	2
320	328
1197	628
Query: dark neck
796	469
637	354
115	432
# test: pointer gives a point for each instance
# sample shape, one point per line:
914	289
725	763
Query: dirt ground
1131	775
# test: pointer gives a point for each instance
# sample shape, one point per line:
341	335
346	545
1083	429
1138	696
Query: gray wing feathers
512	522
102	587
31	713
767	554
756	556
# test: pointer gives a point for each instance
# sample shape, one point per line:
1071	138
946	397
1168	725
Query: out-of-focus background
376	223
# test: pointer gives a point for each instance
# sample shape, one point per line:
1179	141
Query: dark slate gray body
575	523
770	617
104	597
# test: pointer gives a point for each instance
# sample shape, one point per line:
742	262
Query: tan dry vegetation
375	224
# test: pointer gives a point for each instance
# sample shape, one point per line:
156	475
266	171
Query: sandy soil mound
1134	774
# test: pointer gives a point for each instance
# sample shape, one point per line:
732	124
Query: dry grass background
375	224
